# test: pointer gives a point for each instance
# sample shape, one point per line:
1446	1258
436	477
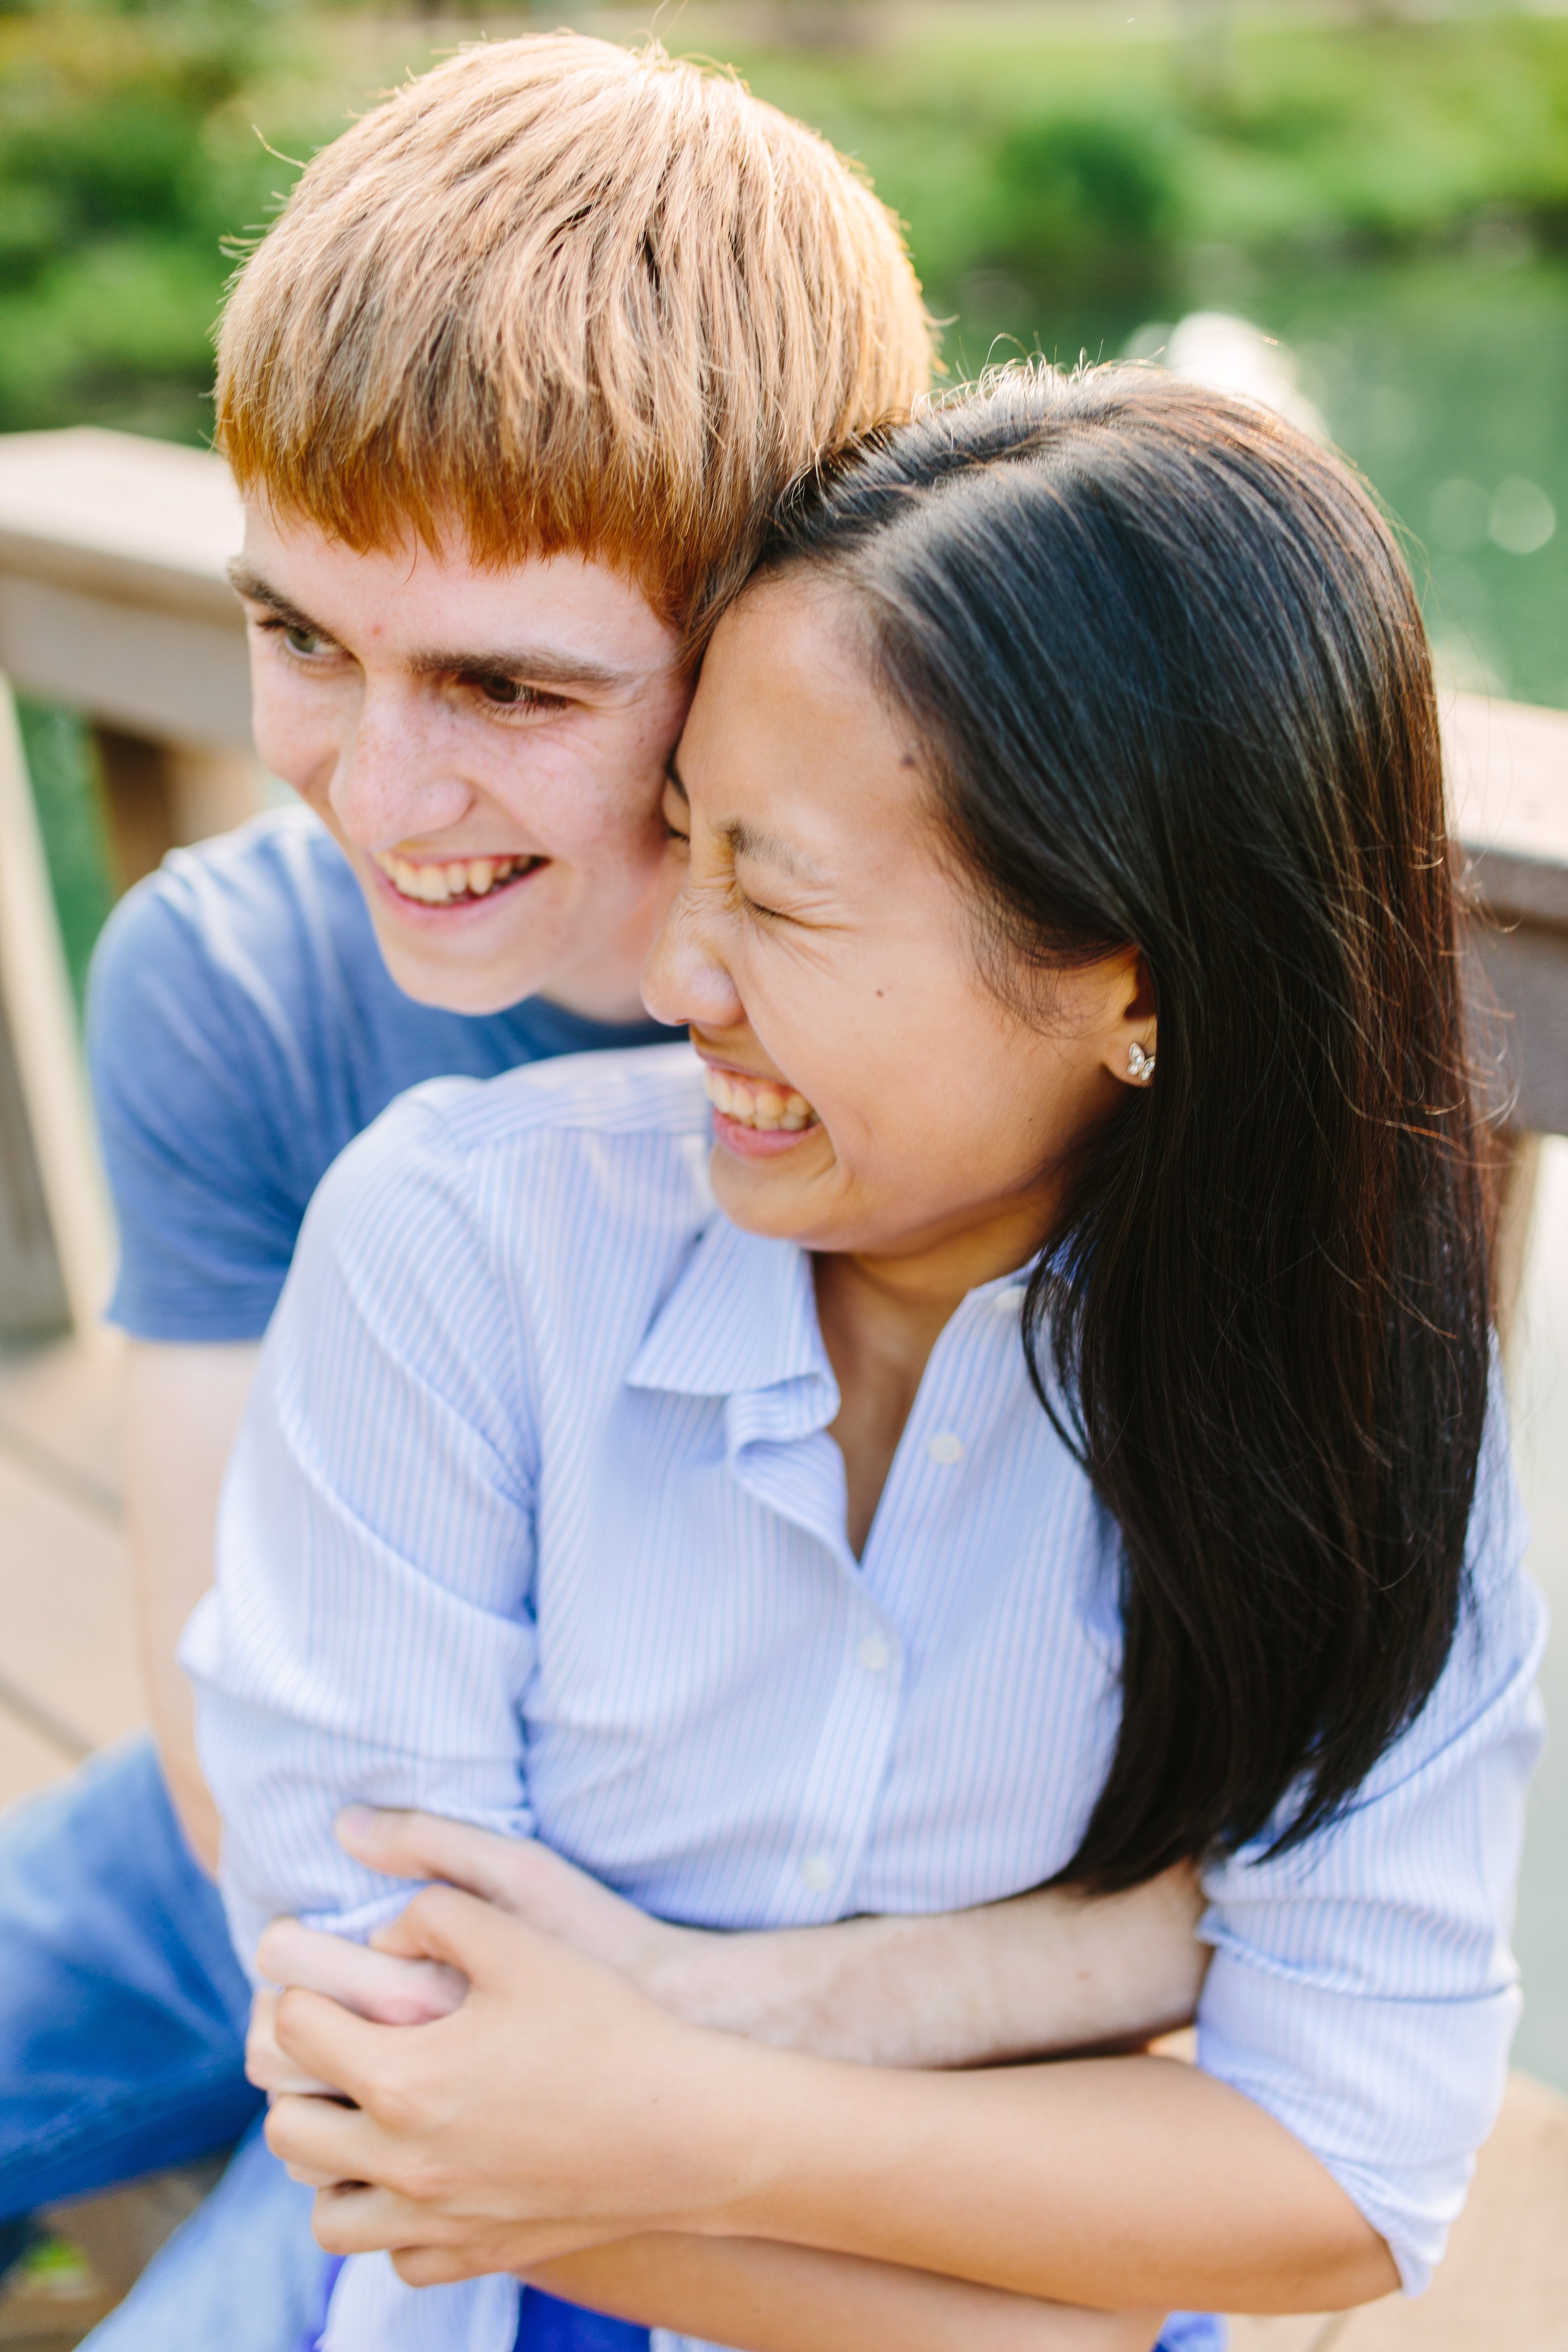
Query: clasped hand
540	1995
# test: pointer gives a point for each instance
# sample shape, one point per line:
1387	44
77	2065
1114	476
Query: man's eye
510	693
300	641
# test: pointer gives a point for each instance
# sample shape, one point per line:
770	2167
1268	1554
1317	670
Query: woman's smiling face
872	1091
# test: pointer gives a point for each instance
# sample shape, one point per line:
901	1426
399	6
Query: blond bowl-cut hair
559	296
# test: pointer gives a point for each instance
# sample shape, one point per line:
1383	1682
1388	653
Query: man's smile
445	882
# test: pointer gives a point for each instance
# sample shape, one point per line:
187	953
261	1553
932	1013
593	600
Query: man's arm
183	1406
1043	1973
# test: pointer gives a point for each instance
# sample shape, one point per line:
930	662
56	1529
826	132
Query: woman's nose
391	783
685	978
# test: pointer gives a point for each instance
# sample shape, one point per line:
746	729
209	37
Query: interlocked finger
267	2064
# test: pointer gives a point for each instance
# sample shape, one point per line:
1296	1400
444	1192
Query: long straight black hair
1167	662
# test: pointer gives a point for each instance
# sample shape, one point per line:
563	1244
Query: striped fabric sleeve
1363	1990
371	1634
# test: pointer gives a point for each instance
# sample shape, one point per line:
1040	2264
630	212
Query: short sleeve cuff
1322	2063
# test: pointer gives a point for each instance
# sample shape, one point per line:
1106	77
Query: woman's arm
1113	2183
765	2297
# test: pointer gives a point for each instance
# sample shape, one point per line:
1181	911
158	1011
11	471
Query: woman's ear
1129	1053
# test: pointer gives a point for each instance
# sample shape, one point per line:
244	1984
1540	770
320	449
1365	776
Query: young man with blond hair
511	389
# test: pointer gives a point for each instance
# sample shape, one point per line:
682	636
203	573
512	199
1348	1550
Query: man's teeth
757	1102
454	877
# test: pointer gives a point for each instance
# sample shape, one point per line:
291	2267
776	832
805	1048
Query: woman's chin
768	1183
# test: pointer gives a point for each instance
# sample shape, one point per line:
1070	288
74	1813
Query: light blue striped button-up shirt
535	1521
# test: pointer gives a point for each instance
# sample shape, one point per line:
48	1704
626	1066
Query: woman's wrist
954	2174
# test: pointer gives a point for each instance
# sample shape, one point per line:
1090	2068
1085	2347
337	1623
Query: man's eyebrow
524	665
767	849
257	591
521	665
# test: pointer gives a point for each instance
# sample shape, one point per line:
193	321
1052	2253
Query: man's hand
434	2118
372	1984
1041	1974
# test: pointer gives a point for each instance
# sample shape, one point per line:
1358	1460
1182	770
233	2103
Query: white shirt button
946	1446
817	1872
874	1655
1011	1301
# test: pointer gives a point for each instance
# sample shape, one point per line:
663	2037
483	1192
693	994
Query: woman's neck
881	1318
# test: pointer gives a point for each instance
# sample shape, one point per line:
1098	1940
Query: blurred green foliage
1093	178
123	167
1080	178
63	767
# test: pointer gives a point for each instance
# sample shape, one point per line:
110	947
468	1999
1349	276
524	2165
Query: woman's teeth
758	1102
454	877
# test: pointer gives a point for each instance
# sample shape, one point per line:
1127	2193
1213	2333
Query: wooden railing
113	598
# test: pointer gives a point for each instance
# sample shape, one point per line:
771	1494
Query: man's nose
685	978
394	779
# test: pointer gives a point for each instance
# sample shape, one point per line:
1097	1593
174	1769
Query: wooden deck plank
60	1417
1290	2331
28	1763
1504	2281
68	1647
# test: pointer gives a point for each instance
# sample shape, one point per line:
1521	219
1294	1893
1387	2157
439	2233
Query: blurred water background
1381	189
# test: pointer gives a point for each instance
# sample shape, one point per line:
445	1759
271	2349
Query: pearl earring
1140	1065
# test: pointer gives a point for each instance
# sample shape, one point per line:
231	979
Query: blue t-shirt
242	1028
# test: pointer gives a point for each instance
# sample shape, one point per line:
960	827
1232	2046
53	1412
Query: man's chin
452	983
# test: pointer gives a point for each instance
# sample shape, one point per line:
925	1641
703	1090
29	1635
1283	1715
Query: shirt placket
782	1456
975	1363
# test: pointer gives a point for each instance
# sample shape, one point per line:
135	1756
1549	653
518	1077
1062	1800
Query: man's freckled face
488	749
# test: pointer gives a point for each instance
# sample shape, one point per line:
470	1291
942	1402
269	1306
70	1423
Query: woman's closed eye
750	906
766	889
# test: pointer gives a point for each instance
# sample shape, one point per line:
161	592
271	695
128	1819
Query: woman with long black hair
1072	1444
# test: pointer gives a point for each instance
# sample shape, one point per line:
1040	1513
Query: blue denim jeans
123	2006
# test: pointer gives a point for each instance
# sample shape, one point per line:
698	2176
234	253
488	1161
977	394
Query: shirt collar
742	1317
